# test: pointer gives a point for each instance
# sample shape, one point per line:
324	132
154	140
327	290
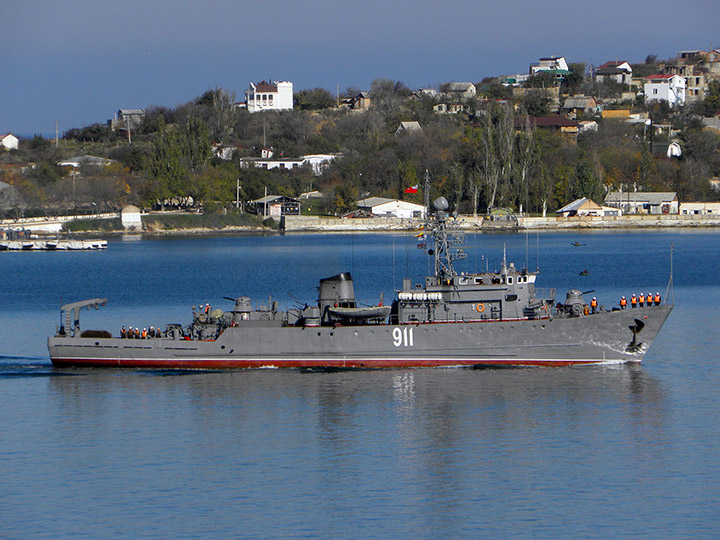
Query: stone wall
469	223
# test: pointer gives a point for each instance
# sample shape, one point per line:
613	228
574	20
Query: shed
407	128
275	206
130	217
642	202
580	207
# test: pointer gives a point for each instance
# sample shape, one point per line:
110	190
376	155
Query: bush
104	225
201	221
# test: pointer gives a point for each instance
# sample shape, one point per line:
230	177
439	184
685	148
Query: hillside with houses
530	143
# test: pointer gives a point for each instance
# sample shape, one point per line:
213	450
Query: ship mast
445	240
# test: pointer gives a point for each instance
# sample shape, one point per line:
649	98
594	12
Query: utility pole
56	134
127	123
237	193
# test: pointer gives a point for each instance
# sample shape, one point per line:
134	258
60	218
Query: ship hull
606	337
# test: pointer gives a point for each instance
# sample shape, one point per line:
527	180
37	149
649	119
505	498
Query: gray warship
497	318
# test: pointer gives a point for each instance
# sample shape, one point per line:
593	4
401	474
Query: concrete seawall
470	223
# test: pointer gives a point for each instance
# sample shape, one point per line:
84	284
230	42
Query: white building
318	162
587	207
665	87
9	141
700	208
460	90
619	71
130	217
550	63
80	161
382	207
272	96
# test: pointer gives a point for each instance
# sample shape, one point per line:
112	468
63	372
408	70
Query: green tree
572	81
174	156
542	79
536	102
711	103
314	99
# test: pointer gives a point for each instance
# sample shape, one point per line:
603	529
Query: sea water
586	452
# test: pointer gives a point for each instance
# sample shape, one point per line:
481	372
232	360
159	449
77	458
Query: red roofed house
665	87
616	70
565	126
269	96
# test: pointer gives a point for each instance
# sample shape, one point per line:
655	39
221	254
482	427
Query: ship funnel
336	291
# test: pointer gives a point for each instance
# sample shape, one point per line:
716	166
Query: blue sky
78	61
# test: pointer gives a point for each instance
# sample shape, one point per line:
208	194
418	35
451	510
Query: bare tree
498	145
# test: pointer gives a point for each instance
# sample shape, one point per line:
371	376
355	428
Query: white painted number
403	337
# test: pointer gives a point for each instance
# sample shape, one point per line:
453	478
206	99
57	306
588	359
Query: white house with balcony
665	87
269	96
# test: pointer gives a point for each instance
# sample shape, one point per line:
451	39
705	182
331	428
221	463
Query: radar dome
441	204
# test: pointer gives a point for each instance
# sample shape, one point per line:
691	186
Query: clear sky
79	61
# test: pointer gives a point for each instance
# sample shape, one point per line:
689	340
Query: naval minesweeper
451	319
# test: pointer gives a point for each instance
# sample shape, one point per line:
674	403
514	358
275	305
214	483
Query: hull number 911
403	337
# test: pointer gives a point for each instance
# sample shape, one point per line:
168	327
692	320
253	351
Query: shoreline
334	225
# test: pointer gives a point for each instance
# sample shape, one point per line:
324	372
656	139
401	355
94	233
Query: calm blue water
600	452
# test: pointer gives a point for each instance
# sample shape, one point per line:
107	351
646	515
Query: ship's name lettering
403	337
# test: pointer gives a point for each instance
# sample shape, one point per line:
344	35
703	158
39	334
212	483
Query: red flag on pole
412	189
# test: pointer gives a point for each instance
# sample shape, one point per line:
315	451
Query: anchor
635	329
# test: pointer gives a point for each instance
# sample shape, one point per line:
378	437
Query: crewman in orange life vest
657	299
641	300
633	301
623	303
593	304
